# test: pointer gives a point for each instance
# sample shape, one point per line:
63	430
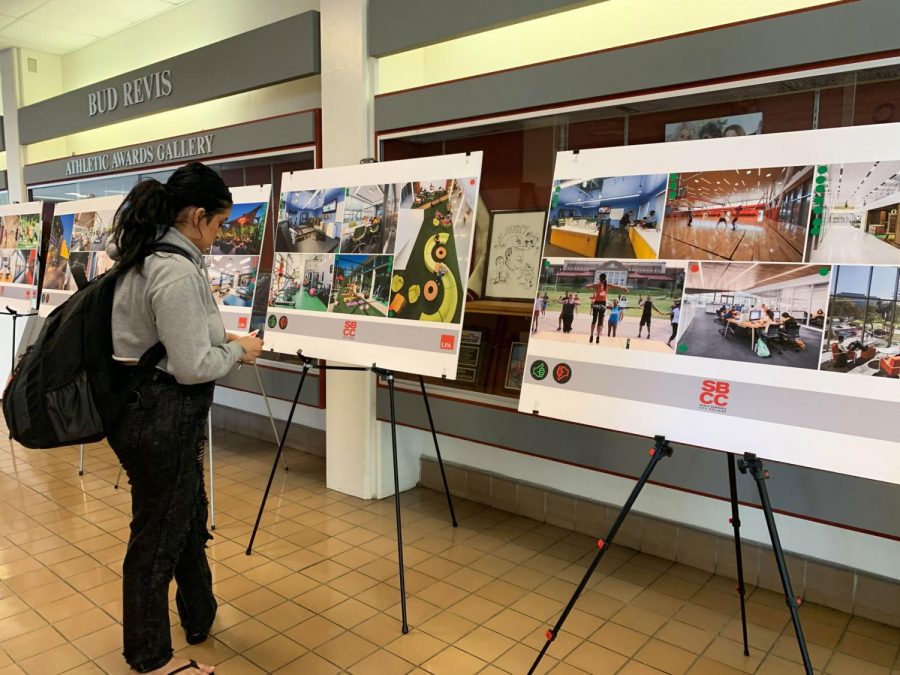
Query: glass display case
519	159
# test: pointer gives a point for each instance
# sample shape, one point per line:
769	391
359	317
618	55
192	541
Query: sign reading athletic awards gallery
157	84
144	155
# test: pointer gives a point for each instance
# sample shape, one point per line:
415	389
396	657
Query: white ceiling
62	26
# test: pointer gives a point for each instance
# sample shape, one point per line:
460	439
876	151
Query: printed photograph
25	228
763	313
56	275
232	279
738	214
862	334
370	219
310	221
301	281
434	226
93	263
28	231
748	124
617	217
362	285
17	267
242	233
90	230
621	304
859	224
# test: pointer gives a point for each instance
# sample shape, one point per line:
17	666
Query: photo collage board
371	263
232	263
20	245
755	280
79	232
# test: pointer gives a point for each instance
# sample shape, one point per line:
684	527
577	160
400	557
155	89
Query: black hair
151	208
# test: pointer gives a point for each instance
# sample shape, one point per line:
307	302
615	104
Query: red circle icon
695	267
282	322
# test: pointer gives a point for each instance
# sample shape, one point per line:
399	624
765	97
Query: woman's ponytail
141	220
151	208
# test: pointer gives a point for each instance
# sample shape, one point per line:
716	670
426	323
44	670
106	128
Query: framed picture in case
514	254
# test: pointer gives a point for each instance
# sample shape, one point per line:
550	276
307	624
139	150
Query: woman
598	304
164	296
569	307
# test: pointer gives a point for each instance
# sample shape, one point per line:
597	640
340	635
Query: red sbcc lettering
350	329
714	393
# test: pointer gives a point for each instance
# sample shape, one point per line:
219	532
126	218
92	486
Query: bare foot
175	663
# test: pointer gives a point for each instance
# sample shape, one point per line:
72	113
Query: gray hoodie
170	301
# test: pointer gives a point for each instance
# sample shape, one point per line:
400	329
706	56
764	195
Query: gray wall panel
398	25
3	180
279	52
830	497
842	31
278	384
274	132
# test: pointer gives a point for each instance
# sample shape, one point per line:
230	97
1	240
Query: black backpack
67	389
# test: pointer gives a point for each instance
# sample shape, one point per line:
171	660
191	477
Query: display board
754	287
371	263
77	236
232	263
20	245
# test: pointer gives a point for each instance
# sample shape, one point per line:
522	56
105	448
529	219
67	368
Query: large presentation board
757	284
20	245
371	263
77	236
232	263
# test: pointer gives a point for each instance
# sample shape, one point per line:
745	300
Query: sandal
189	665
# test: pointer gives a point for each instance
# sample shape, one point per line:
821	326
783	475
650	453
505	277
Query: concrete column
9	95
347	136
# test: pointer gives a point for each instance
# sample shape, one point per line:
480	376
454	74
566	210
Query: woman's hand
252	347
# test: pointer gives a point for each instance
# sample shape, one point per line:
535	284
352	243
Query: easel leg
736	524
750	463
405	626
118	478
262	391
660	449
284	434
437	450
212	475
81	460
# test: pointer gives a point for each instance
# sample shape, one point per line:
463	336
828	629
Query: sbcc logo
714	395
350	329
448	342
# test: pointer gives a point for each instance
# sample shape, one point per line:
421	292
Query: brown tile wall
847	590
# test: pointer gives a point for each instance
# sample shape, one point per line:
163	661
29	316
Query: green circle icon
546	263
823	271
822	169
820	189
682	349
820	180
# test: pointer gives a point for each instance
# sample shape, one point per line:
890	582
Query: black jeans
160	441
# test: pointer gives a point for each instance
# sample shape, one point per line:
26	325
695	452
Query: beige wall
193	25
599	26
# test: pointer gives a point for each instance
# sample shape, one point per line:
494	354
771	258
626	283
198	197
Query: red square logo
242	322
448	342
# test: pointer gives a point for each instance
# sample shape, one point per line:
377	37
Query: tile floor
320	594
